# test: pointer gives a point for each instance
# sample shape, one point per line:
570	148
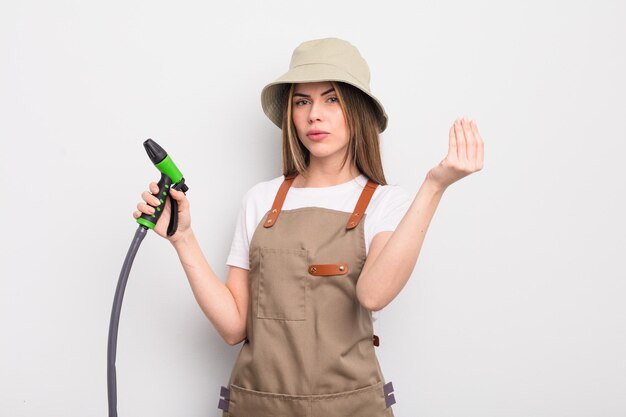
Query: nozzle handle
150	220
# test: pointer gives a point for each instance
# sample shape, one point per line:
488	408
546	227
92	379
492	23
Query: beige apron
309	350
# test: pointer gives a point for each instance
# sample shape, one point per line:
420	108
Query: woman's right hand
184	216
465	154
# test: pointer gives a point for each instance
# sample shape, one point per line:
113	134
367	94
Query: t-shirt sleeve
239	249
391	211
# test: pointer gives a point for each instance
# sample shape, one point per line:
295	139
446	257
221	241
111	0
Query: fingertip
175	193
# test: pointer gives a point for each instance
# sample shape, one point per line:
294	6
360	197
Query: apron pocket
281	292
249	403
363	402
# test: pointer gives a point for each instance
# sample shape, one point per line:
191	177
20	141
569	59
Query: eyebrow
308	96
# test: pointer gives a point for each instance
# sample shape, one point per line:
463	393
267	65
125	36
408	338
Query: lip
315	134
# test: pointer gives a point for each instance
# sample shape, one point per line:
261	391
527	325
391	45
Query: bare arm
392	255
225	305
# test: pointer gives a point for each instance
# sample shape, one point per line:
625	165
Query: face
319	120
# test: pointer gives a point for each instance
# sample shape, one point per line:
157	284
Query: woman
304	241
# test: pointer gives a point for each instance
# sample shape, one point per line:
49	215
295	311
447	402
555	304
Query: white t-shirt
384	211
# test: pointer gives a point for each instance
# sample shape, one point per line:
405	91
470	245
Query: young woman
319	248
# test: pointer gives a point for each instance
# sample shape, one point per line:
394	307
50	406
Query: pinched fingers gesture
465	154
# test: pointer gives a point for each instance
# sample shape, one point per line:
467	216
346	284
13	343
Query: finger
475	131
460	141
470	141
452	152
145	208
150	199
480	148
179	196
153	187
136	214
175	193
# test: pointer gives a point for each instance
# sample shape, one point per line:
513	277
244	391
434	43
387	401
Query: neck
320	174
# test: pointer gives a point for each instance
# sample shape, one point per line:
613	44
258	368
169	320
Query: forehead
313	88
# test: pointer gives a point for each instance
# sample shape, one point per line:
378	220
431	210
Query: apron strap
223	403
361	205
353	221
279	200
390	399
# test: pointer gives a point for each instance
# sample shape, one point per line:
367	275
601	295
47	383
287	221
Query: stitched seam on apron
315	208
313	397
319	397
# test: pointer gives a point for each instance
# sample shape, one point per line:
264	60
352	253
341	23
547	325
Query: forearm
391	270
214	298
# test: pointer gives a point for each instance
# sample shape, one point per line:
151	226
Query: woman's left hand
465	154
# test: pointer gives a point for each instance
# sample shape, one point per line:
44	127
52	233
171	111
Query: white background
516	306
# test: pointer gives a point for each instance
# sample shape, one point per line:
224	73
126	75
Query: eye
333	99
299	102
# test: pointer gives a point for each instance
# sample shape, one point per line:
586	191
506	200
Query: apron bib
309	350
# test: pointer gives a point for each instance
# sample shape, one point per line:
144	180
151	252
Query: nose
314	113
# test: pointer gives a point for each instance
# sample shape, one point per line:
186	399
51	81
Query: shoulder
388	206
262	191
390	194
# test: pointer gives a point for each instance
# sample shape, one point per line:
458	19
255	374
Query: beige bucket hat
328	59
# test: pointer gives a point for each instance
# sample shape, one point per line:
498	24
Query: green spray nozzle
170	177
162	161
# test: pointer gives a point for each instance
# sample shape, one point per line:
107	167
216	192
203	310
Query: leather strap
361	205
353	221
279	200
328	269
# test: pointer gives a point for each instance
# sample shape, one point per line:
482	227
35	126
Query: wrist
182	238
433	186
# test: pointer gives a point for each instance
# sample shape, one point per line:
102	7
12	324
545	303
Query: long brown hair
360	114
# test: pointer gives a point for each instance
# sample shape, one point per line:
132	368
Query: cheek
298	121
340	122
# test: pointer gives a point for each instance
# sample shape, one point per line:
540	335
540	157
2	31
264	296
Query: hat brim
274	94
